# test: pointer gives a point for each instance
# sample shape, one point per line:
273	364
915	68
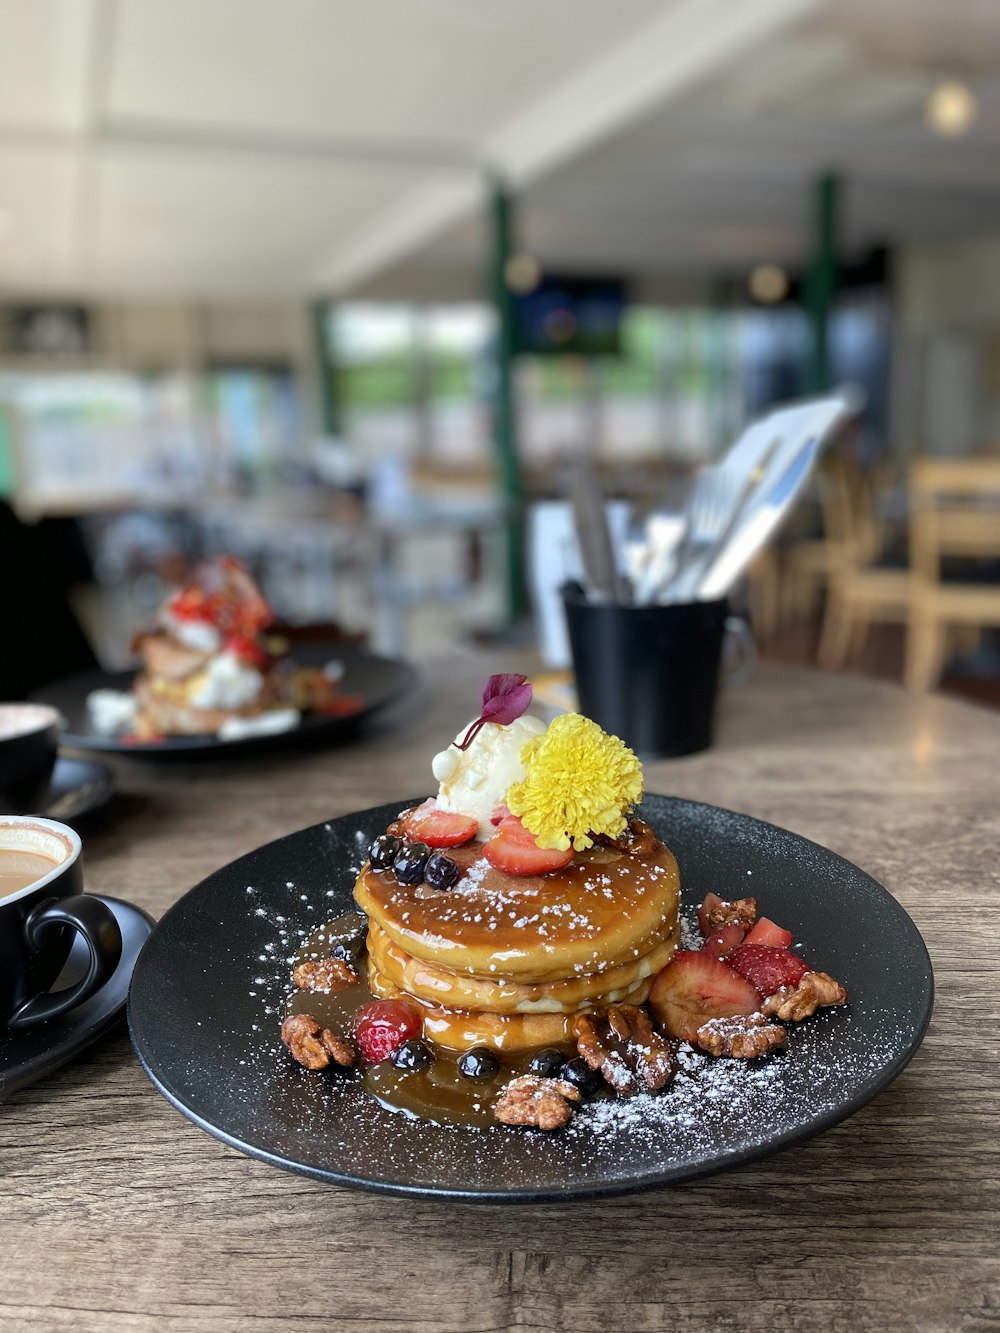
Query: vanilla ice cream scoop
475	781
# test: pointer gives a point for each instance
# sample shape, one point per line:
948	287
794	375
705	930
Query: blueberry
347	950
409	862
440	872
580	1074
384	850
413	1054
547	1064
480	1062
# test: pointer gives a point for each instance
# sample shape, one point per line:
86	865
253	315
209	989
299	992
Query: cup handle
739	651
96	922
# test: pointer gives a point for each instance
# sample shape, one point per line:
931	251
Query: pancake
608	907
459	1029
456	990
163	710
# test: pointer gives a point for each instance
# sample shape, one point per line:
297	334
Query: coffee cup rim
53	826
47	717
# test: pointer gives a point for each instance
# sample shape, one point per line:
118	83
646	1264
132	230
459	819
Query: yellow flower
578	781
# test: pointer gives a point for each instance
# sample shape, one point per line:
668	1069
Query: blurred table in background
117	1213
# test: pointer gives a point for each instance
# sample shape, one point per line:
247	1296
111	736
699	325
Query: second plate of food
211	986
369	682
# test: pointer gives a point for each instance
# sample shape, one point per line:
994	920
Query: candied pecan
815	990
739	912
314	1047
324	974
543	1103
743	1037
621	1043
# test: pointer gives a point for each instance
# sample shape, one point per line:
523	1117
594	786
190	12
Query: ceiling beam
691	40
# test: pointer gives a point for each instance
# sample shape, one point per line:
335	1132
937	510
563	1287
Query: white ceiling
253	148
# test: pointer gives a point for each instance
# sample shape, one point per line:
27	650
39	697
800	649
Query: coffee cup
29	735
42	904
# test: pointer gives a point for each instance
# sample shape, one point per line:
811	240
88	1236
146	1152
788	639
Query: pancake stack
508	961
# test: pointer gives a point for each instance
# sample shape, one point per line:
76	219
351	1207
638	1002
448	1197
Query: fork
714	501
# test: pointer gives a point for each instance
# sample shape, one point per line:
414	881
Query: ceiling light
522	273
950	108
768	284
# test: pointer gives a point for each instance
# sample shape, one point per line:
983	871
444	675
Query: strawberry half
768	969
430	824
724	941
513	850
694	987
767	932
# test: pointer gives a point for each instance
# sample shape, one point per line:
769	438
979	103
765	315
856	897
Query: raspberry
382	1027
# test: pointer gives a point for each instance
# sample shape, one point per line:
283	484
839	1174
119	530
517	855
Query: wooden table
116	1213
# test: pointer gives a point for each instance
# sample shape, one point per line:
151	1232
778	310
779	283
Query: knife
594	536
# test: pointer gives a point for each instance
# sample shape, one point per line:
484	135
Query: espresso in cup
29	735
42	905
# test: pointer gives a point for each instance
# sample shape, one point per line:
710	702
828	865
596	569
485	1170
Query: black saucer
78	787
26	1056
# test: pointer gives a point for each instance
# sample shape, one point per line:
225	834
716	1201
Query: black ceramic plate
78	788
30	1053
378	680
208	988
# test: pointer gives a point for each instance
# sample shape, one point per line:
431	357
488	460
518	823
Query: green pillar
326	368
821	282
504	412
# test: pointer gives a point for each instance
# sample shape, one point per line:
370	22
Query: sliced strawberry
723	941
694	987
768	969
767	932
340	705
514	850
712	901
246	649
499	814
438	828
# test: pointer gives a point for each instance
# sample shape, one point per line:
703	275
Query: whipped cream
111	711
226	682
198	635
474	782
266	724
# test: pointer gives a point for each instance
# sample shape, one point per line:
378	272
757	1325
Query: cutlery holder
648	674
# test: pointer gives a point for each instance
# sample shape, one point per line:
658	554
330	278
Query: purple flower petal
505	697
504	703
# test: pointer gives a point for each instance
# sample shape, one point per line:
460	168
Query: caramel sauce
440	1092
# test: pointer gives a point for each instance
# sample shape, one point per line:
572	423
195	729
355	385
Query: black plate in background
378	680
28	1054
207	994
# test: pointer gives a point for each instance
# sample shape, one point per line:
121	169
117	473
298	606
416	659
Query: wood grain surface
116	1213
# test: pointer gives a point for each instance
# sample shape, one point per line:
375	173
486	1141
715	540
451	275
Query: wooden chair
850	533
859	591
955	511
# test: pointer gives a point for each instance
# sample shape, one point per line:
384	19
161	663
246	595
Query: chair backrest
847	505
954	511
